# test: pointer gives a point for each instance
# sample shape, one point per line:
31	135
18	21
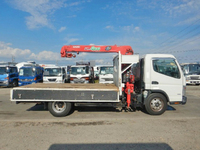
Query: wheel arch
160	92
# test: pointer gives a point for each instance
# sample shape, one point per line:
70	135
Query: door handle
154	82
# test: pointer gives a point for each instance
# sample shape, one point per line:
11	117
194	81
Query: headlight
102	80
6	81
187	78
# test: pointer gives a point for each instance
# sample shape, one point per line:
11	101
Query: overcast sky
35	30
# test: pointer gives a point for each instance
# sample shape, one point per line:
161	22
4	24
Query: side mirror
7	69
115	69
33	69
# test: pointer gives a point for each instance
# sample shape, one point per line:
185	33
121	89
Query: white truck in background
105	74
81	74
191	72
54	74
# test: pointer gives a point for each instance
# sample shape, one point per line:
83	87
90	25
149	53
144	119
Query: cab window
166	66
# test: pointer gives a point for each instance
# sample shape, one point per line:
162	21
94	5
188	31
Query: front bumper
25	83
4	83
192	81
183	102
79	81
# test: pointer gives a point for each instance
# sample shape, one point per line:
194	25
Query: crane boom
67	49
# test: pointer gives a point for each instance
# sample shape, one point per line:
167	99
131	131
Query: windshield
106	70
79	70
191	69
26	72
2	70
52	71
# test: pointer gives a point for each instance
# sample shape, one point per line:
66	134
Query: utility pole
56	62
13	59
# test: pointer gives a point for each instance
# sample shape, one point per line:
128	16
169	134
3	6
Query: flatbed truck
144	83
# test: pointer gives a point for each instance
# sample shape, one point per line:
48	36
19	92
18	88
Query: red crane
67	49
124	50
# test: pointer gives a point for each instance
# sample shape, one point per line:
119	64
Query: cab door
166	76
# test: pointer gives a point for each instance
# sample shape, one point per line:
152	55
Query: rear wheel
59	109
156	104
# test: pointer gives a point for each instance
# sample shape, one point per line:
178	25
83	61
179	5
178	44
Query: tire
59	109
156	104
15	83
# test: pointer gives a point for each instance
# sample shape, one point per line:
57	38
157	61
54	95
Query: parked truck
192	73
149	87
8	75
105	74
54	74
82	72
29	74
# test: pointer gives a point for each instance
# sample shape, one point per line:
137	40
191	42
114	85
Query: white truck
105	74
152	88
192	73
54	74
81	74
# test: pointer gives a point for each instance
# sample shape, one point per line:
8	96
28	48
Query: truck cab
30	74
106	74
164	75
8	75
81	74
158	81
54	74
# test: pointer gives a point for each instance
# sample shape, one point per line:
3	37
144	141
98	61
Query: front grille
108	79
52	80
79	81
194	77
26	80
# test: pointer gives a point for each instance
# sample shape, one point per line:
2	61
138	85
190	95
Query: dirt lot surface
29	126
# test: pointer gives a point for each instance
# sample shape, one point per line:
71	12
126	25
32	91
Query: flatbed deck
46	92
95	86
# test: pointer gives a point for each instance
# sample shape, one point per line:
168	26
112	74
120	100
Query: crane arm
67	49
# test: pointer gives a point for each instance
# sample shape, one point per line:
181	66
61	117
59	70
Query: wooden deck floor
71	86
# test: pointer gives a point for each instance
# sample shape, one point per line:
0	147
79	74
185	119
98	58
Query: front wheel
156	104
59	109
15	83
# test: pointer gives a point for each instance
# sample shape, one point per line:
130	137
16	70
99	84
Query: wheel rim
59	107
156	104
